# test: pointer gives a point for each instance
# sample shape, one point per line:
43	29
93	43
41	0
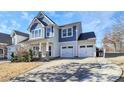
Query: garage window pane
90	46
82	46
70	46
63	47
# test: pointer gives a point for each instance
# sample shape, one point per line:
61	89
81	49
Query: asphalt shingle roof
87	35
21	33
5	38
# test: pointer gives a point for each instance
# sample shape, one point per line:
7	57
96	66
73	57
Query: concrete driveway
68	70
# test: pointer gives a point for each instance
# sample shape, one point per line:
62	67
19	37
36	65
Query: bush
22	56
30	55
13	57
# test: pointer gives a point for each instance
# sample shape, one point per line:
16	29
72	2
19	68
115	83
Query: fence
113	54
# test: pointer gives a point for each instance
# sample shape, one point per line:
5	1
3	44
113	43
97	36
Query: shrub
22	56
30	55
13	57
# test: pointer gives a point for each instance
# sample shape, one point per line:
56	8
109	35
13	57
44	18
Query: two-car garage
85	46
82	51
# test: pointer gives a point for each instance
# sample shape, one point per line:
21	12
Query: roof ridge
71	23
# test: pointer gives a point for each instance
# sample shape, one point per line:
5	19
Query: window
39	33
36	33
82	46
32	34
63	47
90	46
67	32
70	46
48	30
64	33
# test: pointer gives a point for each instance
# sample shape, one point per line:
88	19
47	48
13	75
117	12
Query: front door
50	50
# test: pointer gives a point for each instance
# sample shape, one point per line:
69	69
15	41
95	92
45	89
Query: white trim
47	18
32	22
66	32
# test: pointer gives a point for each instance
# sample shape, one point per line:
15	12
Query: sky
96	21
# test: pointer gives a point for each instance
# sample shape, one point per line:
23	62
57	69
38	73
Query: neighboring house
54	41
5	40
17	38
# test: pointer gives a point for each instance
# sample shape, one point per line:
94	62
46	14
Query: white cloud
25	15
69	14
9	26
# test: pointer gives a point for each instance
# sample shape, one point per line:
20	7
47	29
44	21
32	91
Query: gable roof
5	38
87	35
41	12
40	19
44	23
21	33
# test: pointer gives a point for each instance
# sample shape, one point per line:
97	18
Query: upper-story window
67	32
37	33
49	32
64	32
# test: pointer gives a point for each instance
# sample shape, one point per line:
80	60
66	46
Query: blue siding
73	38
33	26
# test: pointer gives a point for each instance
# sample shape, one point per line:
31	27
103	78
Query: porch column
40	45
47	46
47	51
40	50
3	53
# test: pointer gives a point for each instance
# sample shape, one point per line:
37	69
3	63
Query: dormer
18	37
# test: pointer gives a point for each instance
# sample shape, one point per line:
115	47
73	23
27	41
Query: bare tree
116	36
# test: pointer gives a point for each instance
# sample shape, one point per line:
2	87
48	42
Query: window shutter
52	29
60	33
45	32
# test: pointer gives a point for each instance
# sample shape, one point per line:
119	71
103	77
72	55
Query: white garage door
90	51
85	51
67	51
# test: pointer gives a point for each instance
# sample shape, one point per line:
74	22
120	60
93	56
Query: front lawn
10	70
119	61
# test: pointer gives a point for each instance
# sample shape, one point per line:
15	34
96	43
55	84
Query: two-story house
63	41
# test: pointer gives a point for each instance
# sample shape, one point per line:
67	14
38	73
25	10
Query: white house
50	39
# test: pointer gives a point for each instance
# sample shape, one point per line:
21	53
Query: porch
42	50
